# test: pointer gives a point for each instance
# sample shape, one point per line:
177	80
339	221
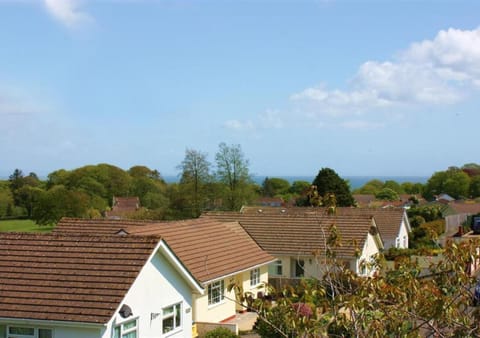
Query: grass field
22	225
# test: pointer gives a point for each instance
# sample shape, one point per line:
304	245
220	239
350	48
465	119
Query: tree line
224	185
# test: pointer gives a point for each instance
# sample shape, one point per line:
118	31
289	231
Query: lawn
23	225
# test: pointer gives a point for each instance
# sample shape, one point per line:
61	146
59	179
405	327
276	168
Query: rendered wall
158	285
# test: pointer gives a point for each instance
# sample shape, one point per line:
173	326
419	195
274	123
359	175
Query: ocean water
354	181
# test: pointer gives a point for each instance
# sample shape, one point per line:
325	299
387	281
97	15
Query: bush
220	332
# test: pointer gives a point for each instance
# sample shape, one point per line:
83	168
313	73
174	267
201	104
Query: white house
218	254
77	286
299	241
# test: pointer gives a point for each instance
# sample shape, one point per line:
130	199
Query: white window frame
175	314
278	267
397	242
124	331
254	277
35	331
213	287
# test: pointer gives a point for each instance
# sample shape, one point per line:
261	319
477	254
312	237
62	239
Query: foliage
299	187
453	182
195	175
426	235
221	332
272	187
427	212
372	187
409	300
387	194
233	172
328	182
475	186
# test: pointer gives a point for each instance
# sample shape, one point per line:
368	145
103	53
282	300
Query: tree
453	181
475	187
406	300
232	171
59	202
194	177
299	187
272	187
372	187
387	194
328	182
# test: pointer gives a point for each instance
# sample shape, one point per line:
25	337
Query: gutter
43	322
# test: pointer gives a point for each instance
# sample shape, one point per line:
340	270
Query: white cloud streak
442	71
68	12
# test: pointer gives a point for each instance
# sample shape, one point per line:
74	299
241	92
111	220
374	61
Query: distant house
270	202
392	223
122	207
72	286
217	254
299	241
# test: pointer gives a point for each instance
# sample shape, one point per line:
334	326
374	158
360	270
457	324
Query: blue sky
363	87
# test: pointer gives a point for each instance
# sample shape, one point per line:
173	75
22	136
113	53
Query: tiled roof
302	234
209	249
95	227
68	278
388	220
465	207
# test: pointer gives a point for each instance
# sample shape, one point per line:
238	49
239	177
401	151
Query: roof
468	207
68	278
388	220
123	205
208	248
303	234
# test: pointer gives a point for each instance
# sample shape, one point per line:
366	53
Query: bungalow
218	254
57	286
392	223
299	241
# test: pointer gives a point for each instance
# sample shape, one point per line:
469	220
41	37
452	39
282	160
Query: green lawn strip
23	225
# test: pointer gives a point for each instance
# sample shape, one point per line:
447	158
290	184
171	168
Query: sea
354	181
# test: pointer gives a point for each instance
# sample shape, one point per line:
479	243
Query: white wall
370	249
158	285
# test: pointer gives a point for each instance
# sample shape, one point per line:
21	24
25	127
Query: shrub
221	332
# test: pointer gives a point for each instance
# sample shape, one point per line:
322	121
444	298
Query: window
172	318
405	242
254	277
299	267
126	330
397	242
216	292
28	332
278	267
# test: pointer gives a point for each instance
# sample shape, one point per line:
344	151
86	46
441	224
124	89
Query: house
392	223
72	286
216	253
299	241
122	207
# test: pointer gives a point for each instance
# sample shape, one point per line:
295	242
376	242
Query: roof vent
125	311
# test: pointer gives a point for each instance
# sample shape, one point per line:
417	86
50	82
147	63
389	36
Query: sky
362	87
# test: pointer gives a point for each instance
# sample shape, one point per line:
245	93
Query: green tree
412	188
372	187
195	175
299	187
232	171
272	187
453	181
387	194
59	202
393	185
328	182
475	187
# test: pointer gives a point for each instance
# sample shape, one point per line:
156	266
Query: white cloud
361	125
68	12
441	71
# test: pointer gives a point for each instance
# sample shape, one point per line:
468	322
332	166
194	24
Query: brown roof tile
209	249
301	233
68	278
